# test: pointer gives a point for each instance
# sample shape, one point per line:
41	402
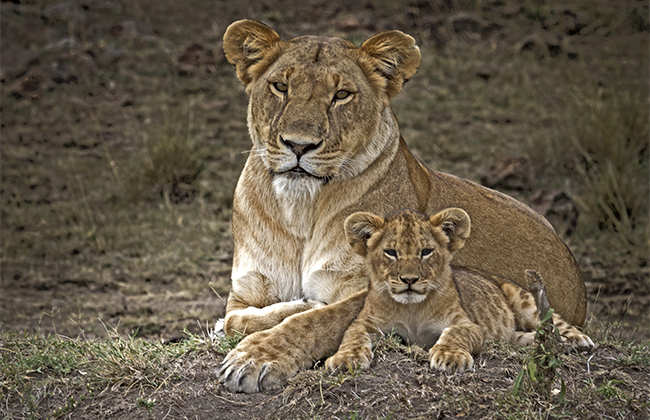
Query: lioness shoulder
415	293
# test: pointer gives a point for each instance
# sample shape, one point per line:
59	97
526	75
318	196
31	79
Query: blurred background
123	132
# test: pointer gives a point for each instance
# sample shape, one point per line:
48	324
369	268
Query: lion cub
414	292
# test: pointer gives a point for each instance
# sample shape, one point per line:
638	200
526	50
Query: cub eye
281	87
390	253
341	94
426	252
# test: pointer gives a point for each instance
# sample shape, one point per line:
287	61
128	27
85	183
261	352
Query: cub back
485	304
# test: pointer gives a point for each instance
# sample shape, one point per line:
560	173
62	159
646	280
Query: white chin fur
407	298
296	188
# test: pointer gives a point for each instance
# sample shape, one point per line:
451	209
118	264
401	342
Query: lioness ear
359	227
455	224
395	57
252	47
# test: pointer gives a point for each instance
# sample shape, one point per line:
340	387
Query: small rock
32	85
484	72
558	208
511	173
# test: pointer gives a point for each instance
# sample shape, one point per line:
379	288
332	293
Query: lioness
325	145
415	292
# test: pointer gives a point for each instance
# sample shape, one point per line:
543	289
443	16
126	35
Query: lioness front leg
455	347
251	319
252	307
266	359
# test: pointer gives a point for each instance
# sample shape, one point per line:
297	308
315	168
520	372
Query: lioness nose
300	149
409	280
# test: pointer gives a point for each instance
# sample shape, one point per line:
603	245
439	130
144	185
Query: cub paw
345	360
524	338
253	367
578	340
450	360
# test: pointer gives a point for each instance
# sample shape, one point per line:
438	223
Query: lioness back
415	292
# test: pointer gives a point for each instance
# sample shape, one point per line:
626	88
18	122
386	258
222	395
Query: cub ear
251	46
455	224
359	227
395	57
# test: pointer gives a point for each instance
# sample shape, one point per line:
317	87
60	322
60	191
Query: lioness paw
345	360
252	367
450	360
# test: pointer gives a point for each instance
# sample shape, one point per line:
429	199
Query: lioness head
408	254
319	107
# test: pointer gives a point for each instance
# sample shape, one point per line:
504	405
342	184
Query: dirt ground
100	230
397	386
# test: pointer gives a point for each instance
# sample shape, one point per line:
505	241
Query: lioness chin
325	145
415	293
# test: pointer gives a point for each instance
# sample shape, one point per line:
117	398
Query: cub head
408	253
319	107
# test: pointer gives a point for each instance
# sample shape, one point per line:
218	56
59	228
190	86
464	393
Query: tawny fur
325	144
415	293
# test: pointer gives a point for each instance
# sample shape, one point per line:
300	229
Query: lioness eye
426	252
391	253
341	94
281	87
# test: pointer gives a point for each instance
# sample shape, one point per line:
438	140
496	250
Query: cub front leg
266	359
455	347
356	348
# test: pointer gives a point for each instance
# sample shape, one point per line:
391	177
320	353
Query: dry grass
610	134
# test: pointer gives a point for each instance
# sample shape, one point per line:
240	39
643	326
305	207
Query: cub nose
299	149
410	280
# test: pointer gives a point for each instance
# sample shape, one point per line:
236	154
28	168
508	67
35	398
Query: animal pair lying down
417	294
325	144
